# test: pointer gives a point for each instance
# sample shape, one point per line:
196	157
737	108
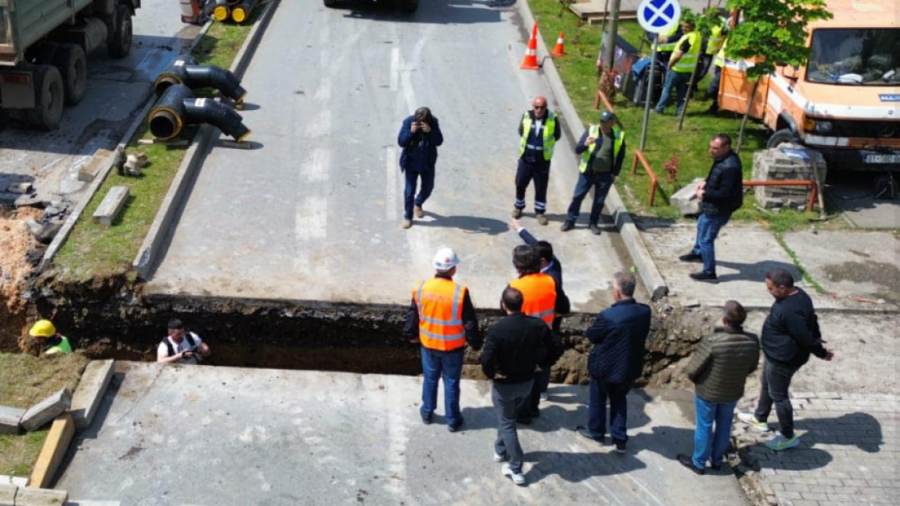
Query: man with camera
181	347
420	135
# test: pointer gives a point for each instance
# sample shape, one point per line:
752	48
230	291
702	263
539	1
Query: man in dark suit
619	335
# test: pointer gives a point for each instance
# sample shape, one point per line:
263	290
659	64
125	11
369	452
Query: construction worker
180	346
712	91
602	150
50	341
666	43
444	318
713	44
538	132
681	66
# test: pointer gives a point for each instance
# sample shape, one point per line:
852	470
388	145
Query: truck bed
24	22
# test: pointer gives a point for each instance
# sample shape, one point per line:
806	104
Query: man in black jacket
789	335
515	347
619	335
720	195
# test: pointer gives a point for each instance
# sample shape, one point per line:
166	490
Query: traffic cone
560	46
530	61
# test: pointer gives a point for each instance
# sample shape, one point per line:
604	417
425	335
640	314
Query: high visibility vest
62	347
440	304
539	292
715	41
594	131
549	134
685	64
668	47
720	56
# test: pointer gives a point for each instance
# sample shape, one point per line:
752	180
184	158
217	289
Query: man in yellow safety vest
681	66
539	130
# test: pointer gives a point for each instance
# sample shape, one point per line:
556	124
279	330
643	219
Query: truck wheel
330	3
72	65
783	136
408	5
118	42
49	95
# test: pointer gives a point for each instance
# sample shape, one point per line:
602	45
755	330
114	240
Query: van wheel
783	136
118	42
72	65
49	95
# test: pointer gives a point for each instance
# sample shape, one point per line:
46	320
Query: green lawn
94	250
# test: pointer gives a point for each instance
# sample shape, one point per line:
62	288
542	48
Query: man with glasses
538	132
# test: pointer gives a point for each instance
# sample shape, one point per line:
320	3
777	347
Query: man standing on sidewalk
538	132
619	335
720	195
789	335
719	368
420	135
602	150
444	317
515	347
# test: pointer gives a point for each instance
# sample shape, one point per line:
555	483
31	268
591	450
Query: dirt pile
15	269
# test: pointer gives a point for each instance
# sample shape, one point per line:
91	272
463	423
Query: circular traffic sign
658	16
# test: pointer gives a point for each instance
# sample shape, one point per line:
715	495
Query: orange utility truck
845	102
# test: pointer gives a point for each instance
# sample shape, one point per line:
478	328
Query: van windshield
855	56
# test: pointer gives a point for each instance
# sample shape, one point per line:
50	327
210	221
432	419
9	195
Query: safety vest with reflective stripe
62	346
594	131
549	134
668	47
539	292
685	64
440	305
720	56
715	41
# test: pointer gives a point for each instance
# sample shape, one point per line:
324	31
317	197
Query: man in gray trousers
514	348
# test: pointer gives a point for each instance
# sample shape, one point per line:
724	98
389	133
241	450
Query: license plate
879	158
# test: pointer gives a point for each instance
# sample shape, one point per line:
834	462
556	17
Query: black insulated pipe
178	107
217	114
185	70
167	115
241	13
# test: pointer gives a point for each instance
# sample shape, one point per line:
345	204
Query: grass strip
779	236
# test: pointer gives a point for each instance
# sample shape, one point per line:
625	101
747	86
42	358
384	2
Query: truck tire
408	5
72	65
782	136
330	3
118	42
49	95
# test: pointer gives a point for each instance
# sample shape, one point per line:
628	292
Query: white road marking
391	169
311	219
315	168
395	68
320	126
323	93
72	502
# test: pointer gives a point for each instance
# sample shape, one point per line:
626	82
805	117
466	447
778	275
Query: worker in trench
50	341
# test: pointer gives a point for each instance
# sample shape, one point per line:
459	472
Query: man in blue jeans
719	368
602	149
681	67
420	135
720	195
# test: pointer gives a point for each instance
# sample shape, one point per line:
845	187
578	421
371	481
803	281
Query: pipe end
221	12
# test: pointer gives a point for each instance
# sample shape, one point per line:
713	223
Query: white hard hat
445	259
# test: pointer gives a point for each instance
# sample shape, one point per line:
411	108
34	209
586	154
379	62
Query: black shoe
713	109
595	229
586	433
620	445
691	257
704	277
567	225
523	420
426	419
689	463
716	467
455	427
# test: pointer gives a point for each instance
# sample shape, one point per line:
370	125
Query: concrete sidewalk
202	435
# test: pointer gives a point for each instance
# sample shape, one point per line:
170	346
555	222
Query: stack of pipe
178	107
236	10
185	70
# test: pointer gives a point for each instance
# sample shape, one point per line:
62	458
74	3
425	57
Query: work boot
516	213
595	229
405	224
542	219
691	257
567	225
419	212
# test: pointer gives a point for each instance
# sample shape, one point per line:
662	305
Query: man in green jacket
50	341
719	368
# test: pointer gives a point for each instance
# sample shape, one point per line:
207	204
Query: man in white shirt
181	347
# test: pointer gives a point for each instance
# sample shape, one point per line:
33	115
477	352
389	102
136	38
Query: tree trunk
740	142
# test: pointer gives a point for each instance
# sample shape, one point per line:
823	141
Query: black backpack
171	349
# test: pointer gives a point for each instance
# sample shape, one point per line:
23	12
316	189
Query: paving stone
41	497
46	410
9	419
90	391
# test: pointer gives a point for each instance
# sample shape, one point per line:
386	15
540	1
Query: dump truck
43	53
845	101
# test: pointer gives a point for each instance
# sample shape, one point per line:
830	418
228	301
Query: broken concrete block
90	170
20	188
686	199
41	497
46	410
90	391
9	419
8	494
111	205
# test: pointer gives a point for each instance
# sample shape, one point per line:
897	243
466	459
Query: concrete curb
55	447
631	236
90	391
60	238
148	254
41	497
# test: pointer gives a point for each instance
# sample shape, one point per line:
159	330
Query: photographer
181	347
419	137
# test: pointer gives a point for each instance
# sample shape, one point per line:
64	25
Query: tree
771	33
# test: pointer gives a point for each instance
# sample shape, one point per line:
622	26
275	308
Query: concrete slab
46	410
9	419
304	438
41	497
20	481
8	494
327	192
858	206
852	264
91	388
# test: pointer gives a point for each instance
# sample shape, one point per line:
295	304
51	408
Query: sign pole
649	92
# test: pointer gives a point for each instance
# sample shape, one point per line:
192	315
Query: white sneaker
499	458
517	478
750	419
544	397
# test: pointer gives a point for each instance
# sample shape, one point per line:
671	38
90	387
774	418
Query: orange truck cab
845	102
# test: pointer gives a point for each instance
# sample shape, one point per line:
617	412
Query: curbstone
55	447
8	494
686	198
41	497
89	393
46	410
9	419
20	481
111	205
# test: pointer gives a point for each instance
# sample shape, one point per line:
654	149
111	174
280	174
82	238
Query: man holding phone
181	347
420	135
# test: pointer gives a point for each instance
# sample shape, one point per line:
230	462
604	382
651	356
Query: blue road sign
658	16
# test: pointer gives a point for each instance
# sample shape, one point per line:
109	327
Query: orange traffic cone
530	61
560	46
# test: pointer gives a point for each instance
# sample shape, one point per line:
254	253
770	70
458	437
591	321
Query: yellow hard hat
42	328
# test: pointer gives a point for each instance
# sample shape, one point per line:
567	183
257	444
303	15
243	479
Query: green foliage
773	32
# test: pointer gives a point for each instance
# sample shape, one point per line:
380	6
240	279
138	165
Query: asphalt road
117	89
313	212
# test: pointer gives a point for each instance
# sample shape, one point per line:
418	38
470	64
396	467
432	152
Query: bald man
539	130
